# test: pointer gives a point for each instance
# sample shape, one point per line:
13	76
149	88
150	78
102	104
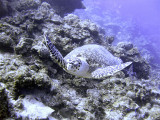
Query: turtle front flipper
109	70
54	53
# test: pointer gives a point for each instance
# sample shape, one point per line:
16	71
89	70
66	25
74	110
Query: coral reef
32	86
127	52
61	7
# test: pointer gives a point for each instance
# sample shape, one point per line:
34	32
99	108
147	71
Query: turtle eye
76	63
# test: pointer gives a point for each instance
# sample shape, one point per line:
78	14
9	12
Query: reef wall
61	7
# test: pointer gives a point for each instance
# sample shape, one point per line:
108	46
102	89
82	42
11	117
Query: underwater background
34	87
136	21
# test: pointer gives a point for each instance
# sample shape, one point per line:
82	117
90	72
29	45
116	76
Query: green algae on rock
4	106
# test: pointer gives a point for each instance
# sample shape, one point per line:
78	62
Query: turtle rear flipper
55	54
109	70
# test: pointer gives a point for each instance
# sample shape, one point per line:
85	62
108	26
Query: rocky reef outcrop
32	86
61	7
65	6
127	52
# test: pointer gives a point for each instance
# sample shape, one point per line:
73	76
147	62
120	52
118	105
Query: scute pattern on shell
97	55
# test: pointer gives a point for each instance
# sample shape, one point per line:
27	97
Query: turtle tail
54	53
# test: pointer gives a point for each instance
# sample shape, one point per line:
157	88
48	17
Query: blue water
137	21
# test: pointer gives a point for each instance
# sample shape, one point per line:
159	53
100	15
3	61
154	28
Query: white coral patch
34	109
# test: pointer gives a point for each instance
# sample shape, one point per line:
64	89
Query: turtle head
73	64
77	66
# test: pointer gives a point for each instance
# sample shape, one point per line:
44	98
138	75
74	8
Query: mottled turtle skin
87	61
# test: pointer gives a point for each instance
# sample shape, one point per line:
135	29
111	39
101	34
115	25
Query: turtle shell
95	55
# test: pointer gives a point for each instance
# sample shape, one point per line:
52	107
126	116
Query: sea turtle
88	61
